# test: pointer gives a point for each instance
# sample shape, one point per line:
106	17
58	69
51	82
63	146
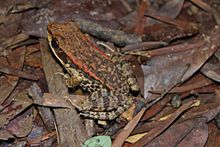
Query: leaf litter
173	47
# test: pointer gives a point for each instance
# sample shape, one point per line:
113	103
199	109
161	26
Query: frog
108	82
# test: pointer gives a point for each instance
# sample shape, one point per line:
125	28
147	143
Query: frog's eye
54	44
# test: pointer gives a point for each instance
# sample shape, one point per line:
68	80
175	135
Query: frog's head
59	38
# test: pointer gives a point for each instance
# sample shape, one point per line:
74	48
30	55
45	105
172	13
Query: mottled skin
107	82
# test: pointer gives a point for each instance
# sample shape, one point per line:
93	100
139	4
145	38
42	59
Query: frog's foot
73	78
72	82
110	115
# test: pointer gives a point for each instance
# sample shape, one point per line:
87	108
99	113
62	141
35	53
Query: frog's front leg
73	78
76	78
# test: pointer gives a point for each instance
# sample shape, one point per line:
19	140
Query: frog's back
85	55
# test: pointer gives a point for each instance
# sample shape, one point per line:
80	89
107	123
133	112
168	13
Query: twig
126	5
5	43
143	46
170	49
208	8
16	72
182	25
115	36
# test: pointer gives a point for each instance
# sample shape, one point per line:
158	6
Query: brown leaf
211	69
197	81
34	138
162	71
178	132
8	43
122	136
172	8
11	23
157	130
21	102
16	59
16	72
197	137
189	27
52	100
155	109
214	136
33	56
5	134
21	126
208	109
46	113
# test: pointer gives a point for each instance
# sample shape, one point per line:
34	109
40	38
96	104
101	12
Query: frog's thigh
104	100
105	115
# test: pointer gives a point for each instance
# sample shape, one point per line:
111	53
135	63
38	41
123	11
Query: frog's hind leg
107	107
104	100
105	115
127	72
90	85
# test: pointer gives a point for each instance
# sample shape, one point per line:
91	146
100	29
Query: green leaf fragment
98	141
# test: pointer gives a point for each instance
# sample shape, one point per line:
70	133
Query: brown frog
108	82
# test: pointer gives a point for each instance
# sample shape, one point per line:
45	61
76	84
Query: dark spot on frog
54	44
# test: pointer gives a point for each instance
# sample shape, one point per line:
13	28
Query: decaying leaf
175	59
